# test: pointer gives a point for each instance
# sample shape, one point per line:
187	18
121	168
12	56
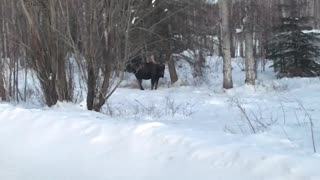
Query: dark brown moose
145	71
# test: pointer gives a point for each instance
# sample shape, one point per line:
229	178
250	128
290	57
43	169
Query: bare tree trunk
3	54
220	41
171	63
263	50
64	91
250	60
316	14
91	83
172	70
233	45
2	88
102	95
25	83
226	44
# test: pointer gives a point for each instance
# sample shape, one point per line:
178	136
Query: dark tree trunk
49	88
64	91
2	89
91	84
233	46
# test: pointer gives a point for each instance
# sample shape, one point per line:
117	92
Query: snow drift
68	143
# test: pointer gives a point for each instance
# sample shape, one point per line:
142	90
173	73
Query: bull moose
145	71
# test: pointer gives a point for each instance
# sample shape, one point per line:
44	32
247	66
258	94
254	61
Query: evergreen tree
294	48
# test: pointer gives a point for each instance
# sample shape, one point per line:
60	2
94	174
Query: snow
212	1
192	130
312	31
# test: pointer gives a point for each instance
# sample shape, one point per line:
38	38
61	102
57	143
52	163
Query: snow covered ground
191	131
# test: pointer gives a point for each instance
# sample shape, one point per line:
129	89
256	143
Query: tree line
58	40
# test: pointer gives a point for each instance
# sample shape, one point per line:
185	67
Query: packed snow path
142	138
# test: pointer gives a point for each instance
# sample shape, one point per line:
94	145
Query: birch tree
3	51
226	43
248	30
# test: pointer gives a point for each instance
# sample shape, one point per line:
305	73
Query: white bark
250	61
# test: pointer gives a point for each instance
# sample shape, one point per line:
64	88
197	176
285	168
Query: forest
159	89
56	40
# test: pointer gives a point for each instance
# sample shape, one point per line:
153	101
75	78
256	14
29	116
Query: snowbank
66	143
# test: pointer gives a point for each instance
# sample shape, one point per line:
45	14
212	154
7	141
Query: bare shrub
254	119
167	107
279	87
172	108
150	110
311	124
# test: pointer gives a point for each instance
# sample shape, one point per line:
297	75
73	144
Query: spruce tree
294	48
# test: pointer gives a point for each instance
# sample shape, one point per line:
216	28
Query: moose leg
140	83
152	83
156	84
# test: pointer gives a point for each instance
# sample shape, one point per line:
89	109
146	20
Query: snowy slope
174	133
69	143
